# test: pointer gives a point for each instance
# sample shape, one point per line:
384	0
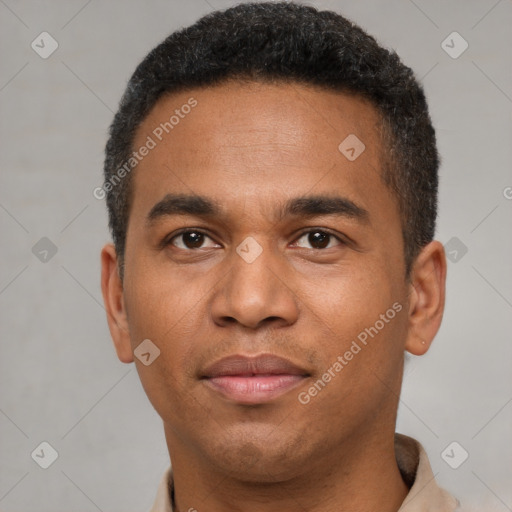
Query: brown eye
190	240
317	239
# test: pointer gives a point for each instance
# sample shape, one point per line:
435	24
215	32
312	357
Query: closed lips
253	380
253	366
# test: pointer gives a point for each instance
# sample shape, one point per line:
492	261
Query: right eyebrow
182	204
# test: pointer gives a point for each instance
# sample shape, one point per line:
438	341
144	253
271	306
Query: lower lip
255	389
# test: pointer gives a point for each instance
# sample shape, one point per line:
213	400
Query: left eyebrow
311	206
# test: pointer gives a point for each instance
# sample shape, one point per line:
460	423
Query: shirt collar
424	493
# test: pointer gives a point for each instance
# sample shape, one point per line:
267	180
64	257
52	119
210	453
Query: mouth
253	380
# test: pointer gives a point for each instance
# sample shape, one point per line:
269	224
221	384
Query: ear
112	290
427	298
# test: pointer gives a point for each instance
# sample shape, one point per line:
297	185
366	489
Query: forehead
259	143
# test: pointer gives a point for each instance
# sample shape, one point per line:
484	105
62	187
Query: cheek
363	366
366	319
352	297
163	309
159	300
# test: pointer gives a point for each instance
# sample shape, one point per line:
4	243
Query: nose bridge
253	291
253	262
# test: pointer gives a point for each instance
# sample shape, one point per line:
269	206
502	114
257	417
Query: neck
360	476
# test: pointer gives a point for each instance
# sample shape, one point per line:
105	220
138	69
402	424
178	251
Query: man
271	181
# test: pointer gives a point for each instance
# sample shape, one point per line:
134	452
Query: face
266	264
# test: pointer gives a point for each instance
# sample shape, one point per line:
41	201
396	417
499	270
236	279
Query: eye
191	239
318	239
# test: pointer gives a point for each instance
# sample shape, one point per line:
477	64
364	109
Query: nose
255	292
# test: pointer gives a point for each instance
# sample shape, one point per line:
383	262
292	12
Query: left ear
427	297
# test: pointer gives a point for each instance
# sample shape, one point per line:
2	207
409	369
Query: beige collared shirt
424	494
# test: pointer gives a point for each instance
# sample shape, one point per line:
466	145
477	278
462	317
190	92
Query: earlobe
427	298
112	290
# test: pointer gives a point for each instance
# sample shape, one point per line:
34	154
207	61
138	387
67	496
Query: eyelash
168	241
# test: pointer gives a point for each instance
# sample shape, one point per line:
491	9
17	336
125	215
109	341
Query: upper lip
264	364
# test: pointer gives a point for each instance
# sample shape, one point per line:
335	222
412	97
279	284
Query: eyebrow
306	206
312	206
181	204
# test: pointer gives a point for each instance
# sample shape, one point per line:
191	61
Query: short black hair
287	42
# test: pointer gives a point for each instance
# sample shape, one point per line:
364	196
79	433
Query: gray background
60	380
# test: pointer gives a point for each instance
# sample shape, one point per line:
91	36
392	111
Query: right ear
112	290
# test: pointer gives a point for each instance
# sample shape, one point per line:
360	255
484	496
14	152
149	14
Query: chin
252	458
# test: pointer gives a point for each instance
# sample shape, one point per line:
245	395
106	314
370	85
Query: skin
252	147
